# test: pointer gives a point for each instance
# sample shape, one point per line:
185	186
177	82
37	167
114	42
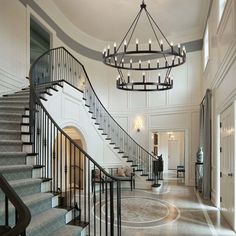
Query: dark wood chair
97	178
130	178
180	169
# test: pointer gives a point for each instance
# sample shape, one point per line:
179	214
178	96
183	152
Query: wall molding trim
81	48
10	82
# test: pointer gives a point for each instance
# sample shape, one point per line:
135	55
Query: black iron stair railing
22	213
63	162
63	66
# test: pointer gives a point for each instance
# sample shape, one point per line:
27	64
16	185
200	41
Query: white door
227	164
173	154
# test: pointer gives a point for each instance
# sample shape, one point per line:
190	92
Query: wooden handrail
24	215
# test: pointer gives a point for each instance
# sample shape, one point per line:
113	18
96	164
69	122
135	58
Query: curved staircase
47	169
18	166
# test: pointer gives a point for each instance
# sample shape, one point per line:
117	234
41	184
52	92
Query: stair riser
9	136
25	138
37	173
69	216
31	160
9	126
27	148
25	120
46	186
10	147
17	160
55	201
25	128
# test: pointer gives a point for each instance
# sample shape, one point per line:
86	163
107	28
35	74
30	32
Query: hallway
175	210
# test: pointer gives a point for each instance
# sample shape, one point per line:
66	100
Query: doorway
227	165
39	40
77	159
171	145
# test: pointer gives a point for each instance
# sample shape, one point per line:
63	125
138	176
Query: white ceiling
108	20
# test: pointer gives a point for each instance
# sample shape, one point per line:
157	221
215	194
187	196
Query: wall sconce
138	124
171	136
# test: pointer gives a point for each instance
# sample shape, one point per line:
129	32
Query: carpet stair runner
16	165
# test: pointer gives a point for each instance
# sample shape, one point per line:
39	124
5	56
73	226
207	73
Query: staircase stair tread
24	182
32	199
13	153
41	220
10	114
10	122
68	230
37	197
16	99
14	167
14	96
12	107
10	142
7	131
4	100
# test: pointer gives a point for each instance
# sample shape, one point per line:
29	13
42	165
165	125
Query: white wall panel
117	99
13	46
179	94
70	111
220	75
168	121
156	100
194	75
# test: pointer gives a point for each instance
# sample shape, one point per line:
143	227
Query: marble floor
175	210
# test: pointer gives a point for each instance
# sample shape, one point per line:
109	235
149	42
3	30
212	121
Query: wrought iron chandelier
156	56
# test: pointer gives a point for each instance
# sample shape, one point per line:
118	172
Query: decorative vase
200	155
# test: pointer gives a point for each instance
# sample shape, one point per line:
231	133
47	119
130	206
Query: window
206	47
221	5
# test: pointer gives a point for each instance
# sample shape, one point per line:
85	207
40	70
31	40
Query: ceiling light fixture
157	55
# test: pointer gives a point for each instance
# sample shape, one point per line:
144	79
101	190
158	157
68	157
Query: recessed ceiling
108	20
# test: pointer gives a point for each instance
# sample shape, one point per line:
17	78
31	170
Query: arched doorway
77	160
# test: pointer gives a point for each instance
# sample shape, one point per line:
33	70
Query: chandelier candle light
156	56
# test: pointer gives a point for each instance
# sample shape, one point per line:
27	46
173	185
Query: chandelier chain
137	16
155	34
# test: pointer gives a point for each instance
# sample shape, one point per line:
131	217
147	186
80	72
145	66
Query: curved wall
165	111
